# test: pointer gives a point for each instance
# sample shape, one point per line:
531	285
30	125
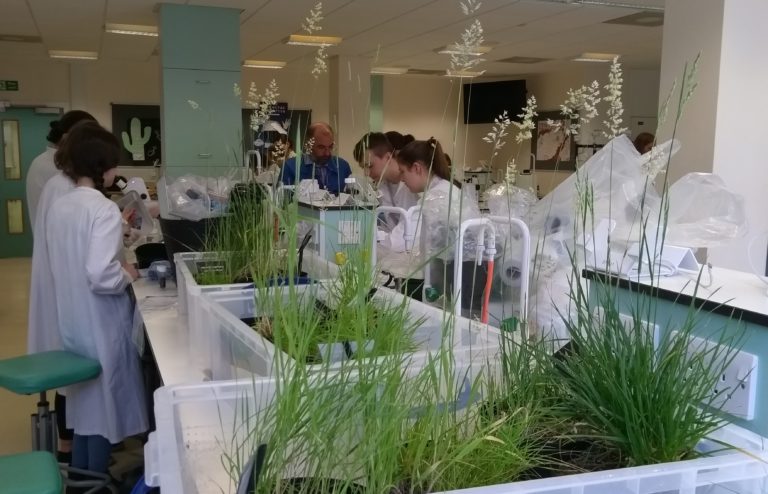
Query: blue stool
39	373
30	473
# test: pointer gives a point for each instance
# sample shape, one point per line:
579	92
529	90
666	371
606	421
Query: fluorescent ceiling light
134	29
263	64
596	57
307	40
74	55
389	70
454	49
463	73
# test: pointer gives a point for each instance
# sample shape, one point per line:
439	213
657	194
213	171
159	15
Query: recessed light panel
73	54
132	29
308	40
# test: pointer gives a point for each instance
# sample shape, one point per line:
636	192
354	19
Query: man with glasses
318	163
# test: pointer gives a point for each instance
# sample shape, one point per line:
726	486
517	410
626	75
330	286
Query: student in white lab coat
84	233
426	170
42	325
375	153
424	167
43	166
45	184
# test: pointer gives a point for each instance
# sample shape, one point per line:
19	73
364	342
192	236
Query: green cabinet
201	114
201	120
198	37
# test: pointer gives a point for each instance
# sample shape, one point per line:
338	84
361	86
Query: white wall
431	106
739	145
681	45
297	87
425	107
44	83
422	106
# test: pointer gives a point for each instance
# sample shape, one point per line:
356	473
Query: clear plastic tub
197	424
238	351
189	302
190	292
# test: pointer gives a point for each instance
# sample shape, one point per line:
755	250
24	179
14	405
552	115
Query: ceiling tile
79	26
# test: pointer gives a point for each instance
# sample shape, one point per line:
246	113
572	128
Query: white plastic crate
189	293
197	424
237	350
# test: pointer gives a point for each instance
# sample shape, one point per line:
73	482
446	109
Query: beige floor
14	303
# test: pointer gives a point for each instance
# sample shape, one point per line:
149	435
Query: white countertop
167	332
737	289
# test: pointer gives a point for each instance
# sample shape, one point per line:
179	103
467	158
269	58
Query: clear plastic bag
510	201
703	212
188	197
444	207
614	185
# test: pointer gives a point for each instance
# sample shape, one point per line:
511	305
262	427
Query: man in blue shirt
320	164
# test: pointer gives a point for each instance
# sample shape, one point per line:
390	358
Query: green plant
652	402
641	394
243	241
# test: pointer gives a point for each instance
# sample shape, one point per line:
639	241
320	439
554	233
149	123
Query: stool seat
42	371
30	473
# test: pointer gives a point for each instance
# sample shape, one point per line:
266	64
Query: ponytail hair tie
432	142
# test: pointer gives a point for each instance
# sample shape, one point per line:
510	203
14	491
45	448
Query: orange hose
276	228
487	293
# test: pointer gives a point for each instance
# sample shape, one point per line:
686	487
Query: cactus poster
137	127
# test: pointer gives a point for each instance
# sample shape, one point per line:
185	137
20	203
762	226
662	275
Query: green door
22	138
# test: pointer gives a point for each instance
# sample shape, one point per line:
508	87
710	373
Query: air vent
527	60
642	19
425	72
19	38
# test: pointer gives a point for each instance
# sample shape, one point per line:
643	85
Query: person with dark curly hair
84	232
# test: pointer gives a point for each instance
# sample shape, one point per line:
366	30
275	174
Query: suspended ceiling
392	32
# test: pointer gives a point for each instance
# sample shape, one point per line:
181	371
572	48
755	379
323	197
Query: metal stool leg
44	433
91	483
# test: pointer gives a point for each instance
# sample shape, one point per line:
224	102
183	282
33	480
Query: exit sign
9	85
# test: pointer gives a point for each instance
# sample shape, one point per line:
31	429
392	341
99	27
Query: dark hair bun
66	122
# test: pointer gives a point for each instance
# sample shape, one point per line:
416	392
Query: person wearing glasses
318	161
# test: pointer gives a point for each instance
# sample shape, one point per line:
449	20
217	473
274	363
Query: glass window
15	210
11	150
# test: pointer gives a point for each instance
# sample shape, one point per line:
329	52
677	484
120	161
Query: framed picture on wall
553	148
137	127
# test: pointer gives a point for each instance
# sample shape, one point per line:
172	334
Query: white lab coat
40	171
95	312
43	327
397	195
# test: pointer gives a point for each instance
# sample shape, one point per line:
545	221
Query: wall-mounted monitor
484	101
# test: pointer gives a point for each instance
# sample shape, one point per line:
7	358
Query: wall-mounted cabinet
200	112
197	37
201	119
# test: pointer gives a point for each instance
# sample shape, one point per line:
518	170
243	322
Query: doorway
22	138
